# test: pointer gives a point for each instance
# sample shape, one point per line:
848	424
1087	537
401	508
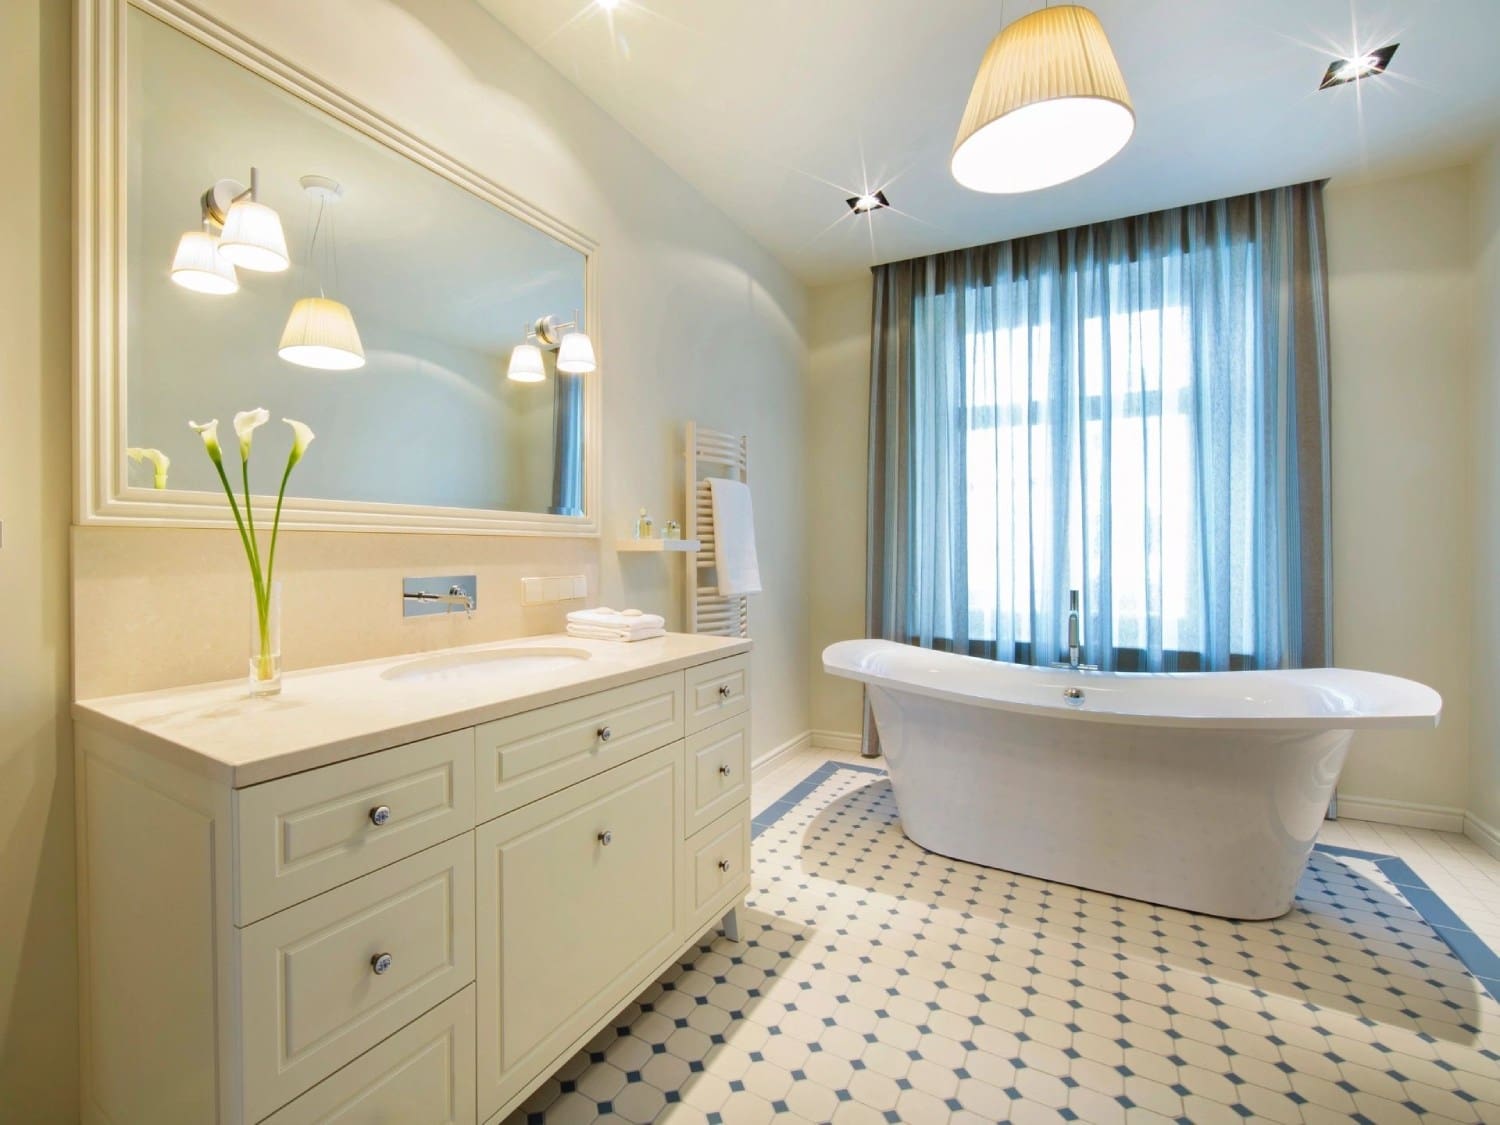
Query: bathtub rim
1424	712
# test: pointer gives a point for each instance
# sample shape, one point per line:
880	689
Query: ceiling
777	110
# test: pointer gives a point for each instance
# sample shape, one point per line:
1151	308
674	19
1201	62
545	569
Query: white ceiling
778	109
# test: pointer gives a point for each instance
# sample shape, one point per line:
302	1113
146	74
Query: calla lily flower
160	462
209	432
246	422
302	437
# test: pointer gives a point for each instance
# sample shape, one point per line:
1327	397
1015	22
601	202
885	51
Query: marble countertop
326	715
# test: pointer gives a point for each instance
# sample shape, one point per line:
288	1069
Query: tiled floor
877	982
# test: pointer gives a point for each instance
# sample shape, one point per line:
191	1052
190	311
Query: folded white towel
734	537
598	633
603	617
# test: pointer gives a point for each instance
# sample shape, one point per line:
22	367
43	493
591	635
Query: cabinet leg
731	924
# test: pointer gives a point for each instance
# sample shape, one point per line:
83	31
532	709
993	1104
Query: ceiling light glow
870	201
1357	66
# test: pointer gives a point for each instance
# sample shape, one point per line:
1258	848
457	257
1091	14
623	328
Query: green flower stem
291	462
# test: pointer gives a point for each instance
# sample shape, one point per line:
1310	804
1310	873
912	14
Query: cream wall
1400	275
838	435
697	322
1484	759
38	1024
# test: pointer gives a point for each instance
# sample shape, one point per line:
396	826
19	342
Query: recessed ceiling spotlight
608	5
1355	67
870	201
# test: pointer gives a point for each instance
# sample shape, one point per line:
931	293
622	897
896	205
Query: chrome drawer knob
606	838
723	691
379	815
723	865
381	963
605	734
724	770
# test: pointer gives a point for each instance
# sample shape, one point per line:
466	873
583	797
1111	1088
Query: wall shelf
657	546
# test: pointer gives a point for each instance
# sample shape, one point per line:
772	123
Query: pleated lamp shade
320	333
526	365
199	266
1049	104
253	239
576	354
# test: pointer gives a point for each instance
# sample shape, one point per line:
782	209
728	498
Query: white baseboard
1487	836
777	754
837	740
1406	814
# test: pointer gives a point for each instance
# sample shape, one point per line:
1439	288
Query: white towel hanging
734	537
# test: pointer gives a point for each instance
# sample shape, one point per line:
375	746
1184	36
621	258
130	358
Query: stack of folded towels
605	624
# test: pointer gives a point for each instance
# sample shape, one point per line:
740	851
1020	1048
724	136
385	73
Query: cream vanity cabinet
418	933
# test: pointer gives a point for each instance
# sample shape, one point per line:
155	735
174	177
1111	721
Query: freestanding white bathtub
1202	791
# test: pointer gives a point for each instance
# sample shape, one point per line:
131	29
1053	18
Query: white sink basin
484	664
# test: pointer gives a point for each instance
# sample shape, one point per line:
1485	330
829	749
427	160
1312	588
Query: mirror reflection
279	258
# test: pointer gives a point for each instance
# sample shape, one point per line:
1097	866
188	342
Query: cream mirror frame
103	494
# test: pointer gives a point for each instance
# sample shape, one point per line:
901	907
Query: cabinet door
422	1075
527	756
718	771
718	867
303	834
577	904
717	691
325	980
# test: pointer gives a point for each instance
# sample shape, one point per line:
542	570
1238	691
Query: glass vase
265	643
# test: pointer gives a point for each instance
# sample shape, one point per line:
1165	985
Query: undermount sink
485	663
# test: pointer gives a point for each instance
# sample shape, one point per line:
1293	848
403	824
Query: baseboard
1406	814
1487	836
777	754
837	740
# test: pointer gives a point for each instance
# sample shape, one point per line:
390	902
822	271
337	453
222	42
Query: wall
38	1024
1400	280
838	437
1400	273
697	322
1484	759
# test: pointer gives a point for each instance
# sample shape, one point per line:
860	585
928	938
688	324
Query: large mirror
279	247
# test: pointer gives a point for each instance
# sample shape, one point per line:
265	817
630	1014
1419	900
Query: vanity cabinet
421	932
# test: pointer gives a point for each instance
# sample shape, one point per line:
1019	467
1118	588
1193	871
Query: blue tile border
1482	962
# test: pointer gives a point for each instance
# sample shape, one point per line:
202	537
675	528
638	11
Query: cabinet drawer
314	997
718	771
304	834
717	691
579	899
424	1074
527	756
718	865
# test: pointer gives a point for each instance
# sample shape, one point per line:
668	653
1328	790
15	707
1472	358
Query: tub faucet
1073	646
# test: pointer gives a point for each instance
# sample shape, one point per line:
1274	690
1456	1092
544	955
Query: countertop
326	715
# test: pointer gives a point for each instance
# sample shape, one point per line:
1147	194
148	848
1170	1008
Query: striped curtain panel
1137	410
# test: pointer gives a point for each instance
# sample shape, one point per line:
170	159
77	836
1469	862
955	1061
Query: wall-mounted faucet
421	597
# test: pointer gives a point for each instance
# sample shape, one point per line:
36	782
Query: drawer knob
605	734
606	838
724	770
724	691
380	814
381	963
723	865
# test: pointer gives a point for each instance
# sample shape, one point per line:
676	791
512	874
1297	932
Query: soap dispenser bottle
643	525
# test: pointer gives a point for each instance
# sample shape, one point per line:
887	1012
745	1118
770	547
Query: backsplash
159	607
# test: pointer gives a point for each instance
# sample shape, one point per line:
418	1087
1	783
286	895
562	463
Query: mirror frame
103	494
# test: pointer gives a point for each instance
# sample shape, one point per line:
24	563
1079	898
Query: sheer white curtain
1137	410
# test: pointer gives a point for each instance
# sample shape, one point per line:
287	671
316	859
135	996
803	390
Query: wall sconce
320	332
250	236
575	351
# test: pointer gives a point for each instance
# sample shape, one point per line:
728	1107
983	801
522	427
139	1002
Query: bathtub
1202	791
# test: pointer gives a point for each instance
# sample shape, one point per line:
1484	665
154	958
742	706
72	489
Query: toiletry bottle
643	526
